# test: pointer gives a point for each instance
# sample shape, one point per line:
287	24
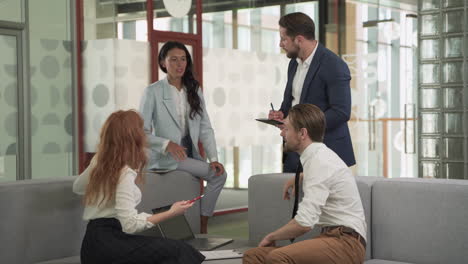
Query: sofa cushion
381	261
41	219
224	261
364	184
420	220
76	260
164	189
70	260
267	209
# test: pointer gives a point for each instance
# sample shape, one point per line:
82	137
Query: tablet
270	121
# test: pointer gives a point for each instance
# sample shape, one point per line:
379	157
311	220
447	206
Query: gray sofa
409	220
42	219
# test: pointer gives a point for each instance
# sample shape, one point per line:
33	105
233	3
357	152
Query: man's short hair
298	24
310	117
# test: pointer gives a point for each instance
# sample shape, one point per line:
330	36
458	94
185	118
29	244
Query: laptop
178	228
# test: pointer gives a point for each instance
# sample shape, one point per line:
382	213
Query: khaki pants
330	247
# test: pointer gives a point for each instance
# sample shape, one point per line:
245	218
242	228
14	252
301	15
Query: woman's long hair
188	79
122	143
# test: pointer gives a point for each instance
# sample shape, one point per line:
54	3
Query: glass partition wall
52	122
243	69
36	102
381	52
443	89
407	62
10	73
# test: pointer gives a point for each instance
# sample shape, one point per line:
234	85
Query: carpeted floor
233	225
231	198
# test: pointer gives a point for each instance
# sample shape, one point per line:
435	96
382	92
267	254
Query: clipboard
270	121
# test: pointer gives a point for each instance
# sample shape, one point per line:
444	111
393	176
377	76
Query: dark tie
296	189
296	192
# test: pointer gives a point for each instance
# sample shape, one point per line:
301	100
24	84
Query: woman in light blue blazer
176	119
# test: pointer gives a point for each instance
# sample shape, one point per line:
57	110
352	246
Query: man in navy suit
315	76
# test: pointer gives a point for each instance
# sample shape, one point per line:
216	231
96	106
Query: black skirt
105	242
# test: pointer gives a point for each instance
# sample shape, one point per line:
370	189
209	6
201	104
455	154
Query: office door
383	62
10	116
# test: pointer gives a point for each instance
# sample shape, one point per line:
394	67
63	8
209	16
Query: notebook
222	254
178	228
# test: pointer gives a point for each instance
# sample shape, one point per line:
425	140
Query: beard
292	54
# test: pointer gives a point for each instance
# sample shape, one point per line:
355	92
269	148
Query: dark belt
346	230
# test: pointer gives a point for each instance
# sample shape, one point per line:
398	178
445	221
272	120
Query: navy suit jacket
327	86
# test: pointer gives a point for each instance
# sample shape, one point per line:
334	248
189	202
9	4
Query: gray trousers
215	184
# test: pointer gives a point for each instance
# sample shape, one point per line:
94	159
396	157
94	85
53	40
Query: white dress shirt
299	77
183	110
127	197
331	196
182	106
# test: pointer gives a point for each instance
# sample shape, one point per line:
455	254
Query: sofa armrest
165	189
42	219
267	209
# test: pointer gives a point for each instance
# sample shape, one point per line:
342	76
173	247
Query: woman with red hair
111	193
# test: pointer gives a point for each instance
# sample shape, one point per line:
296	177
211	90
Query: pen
271	104
196	198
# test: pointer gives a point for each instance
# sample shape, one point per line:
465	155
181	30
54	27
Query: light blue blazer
159	113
